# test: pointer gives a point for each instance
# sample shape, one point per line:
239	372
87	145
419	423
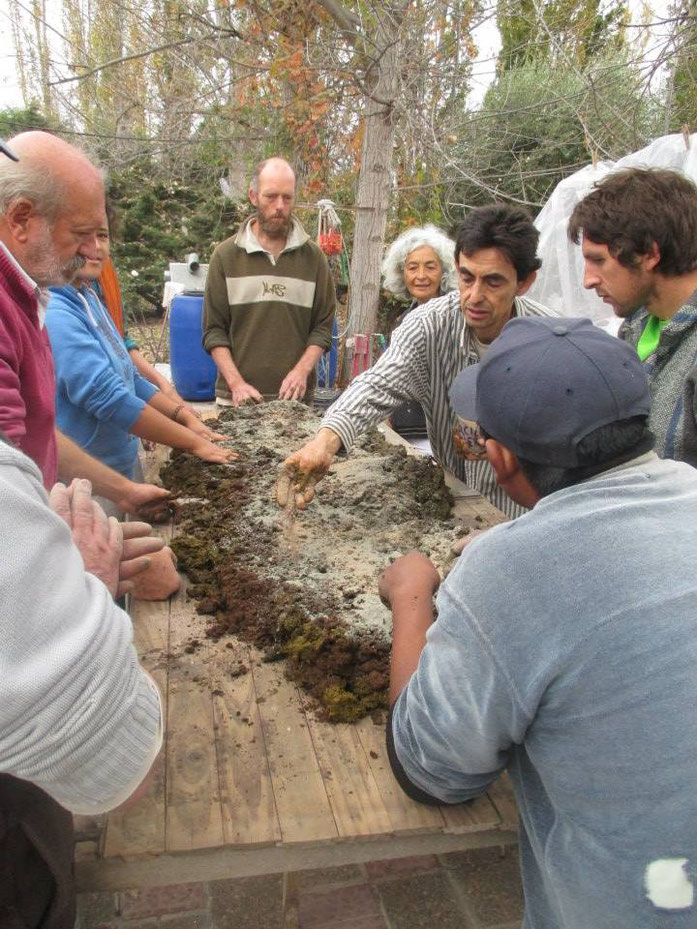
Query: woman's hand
207	451
188	419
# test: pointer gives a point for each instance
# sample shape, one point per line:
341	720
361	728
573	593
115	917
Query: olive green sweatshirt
267	313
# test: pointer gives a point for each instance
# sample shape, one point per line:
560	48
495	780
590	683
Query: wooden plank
246	790
302	803
353	792
479	511
139	828
151	462
404	814
409	816
193	811
475	816
503	797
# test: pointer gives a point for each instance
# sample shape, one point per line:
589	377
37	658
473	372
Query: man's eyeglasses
6	150
469	439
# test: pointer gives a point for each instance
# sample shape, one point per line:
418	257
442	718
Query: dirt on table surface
302	585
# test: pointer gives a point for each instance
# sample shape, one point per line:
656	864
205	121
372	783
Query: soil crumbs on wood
302	585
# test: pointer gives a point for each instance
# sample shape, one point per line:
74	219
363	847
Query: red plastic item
331	242
361	354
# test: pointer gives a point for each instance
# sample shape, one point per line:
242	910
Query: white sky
486	37
9	86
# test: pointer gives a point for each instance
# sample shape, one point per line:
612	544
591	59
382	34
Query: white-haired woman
419	264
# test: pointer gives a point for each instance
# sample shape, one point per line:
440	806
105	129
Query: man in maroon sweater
51	207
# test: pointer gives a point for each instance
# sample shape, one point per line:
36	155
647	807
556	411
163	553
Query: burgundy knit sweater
27	385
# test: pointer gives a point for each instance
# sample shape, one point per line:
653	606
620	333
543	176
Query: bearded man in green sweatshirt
270	299
638	233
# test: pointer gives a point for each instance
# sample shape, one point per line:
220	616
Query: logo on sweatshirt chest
263	289
278	290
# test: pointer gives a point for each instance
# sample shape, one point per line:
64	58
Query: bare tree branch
134	57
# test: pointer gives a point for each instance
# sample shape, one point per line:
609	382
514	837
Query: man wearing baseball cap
565	648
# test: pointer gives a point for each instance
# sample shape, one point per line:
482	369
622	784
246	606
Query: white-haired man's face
56	251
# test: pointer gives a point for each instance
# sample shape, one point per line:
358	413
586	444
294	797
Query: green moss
308	643
341	706
289	624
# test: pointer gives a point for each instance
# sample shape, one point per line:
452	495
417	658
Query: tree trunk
374	189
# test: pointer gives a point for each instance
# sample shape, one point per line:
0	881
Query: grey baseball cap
6	150
546	383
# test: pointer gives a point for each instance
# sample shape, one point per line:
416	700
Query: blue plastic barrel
326	366
193	370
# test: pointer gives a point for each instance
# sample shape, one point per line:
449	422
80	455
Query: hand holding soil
145	501
413	575
160	510
304	468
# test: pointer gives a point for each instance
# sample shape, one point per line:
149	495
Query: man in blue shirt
565	648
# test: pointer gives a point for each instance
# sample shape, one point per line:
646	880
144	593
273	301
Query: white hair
24	180
397	254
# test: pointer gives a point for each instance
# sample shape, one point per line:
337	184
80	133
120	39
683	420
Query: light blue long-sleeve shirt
565	649
99	394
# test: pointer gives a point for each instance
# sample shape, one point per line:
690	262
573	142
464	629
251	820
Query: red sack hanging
331	242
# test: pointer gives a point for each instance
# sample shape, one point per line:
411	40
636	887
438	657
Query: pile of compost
302	585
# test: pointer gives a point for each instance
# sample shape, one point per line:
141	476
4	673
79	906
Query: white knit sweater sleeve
78	716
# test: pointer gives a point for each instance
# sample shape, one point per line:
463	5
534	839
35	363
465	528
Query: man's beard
45	266
275	227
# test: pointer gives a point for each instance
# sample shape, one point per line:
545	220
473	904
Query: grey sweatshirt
565	649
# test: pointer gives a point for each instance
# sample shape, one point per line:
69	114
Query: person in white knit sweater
80	720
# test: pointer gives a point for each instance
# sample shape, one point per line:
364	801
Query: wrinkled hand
99	539
243	392
294	385
141	498
161	580
207	451
301	471
412	575
138	545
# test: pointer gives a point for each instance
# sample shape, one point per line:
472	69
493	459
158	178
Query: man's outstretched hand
302	470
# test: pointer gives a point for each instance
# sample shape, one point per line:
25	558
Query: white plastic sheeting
559	283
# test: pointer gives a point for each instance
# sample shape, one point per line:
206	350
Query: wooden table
249	781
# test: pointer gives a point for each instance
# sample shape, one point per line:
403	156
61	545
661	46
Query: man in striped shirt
496	260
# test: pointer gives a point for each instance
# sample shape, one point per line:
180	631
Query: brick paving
474	889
